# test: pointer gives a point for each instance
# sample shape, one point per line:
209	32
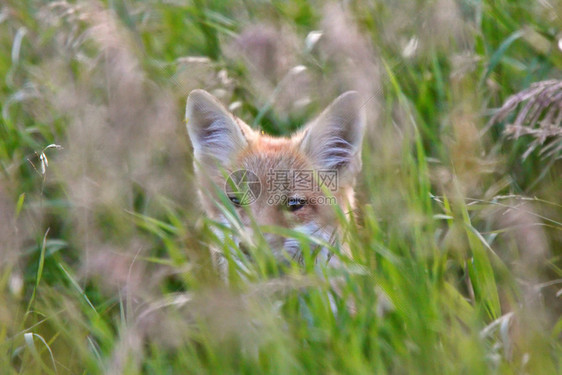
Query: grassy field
456	242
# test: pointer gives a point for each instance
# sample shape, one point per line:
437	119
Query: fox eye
295	204
235	200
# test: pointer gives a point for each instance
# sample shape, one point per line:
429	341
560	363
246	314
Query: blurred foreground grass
104	264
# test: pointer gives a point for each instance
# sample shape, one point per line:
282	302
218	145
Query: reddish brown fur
262	154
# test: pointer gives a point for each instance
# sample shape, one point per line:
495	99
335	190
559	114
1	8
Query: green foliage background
104	264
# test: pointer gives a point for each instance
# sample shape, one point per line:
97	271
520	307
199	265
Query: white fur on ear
214	132
333	141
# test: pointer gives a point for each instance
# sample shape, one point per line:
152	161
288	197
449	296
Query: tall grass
456	242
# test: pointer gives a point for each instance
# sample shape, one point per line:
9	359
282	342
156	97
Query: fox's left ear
216	135
333	141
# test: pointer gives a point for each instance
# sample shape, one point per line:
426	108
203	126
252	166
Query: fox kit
289	182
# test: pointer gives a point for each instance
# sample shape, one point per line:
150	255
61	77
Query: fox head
291	182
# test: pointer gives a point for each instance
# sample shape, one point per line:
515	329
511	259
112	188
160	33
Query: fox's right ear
333	140
215	133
